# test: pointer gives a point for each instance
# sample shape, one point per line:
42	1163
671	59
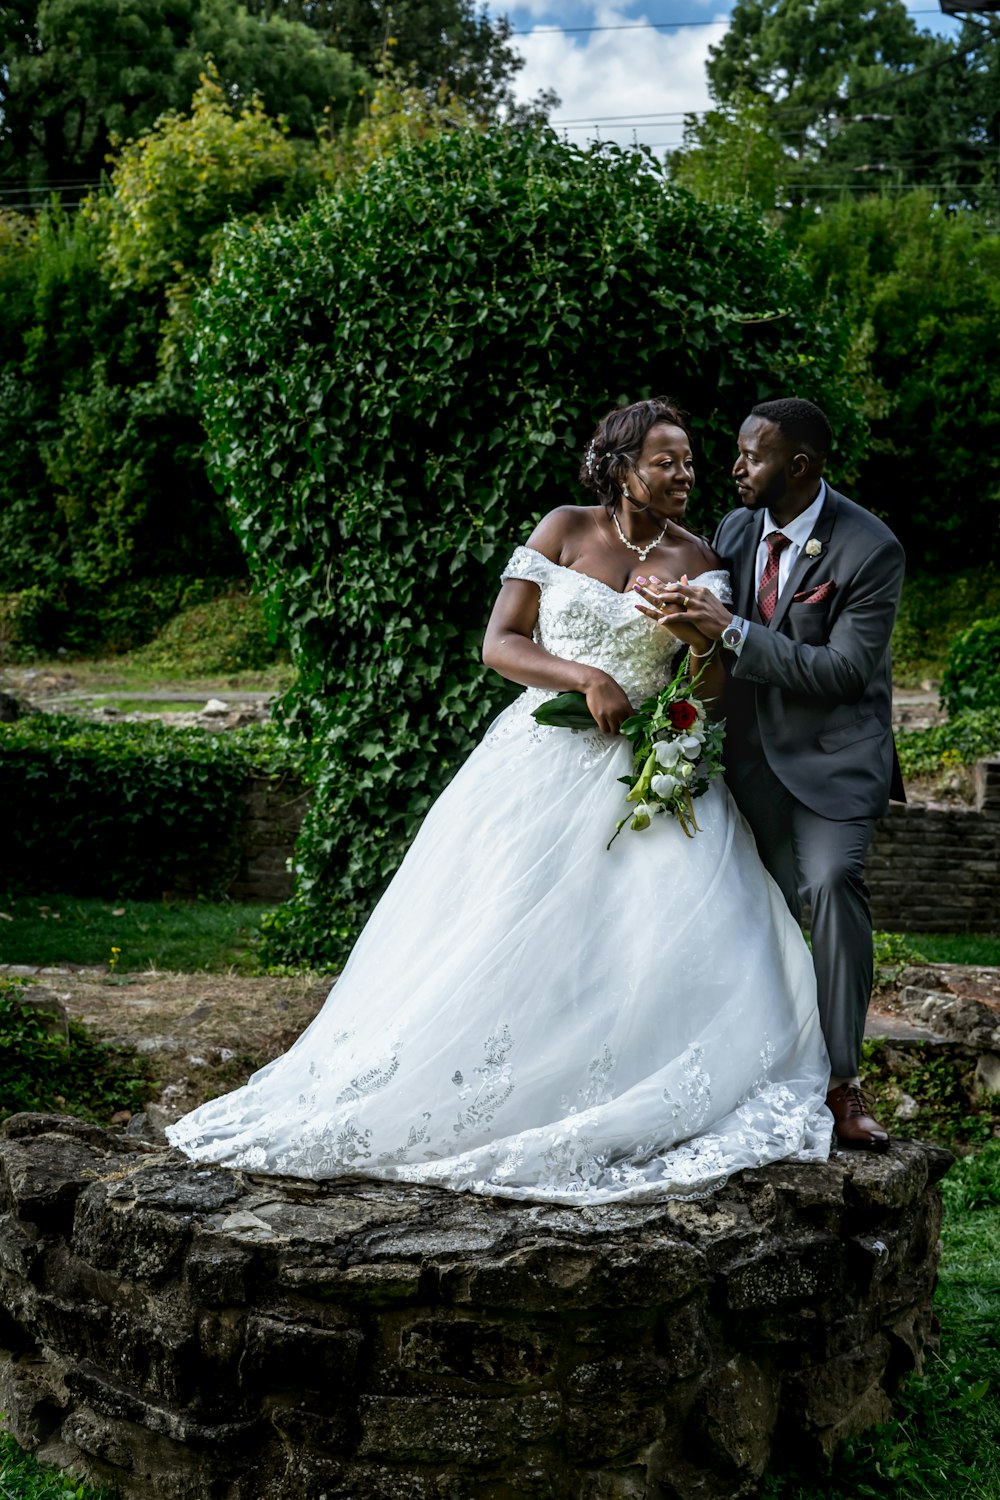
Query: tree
858	99
732	153
174	188
79	74
438	43
921	290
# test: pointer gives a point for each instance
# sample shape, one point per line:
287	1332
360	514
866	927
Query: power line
647	26
334	41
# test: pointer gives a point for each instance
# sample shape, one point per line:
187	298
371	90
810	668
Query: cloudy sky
621	77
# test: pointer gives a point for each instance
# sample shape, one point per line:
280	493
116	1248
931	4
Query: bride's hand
681	629
607	702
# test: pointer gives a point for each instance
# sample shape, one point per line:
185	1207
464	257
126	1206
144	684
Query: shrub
934	607
966	738
124	809
229	634
41	1069
395	383
121	616
971	677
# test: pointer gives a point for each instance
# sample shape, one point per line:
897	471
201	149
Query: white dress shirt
798	533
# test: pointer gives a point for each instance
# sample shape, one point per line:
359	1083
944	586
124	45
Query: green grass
49	931
132	673
944	1441
21	1478
144	705
958	947
895	950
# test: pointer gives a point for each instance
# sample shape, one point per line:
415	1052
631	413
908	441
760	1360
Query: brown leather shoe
853	1125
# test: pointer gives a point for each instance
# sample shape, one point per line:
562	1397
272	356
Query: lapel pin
813	547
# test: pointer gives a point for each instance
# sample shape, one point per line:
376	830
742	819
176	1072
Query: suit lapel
746	568
803	564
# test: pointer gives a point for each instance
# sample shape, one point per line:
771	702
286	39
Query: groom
810	755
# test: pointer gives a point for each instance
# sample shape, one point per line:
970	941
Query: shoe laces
855	1101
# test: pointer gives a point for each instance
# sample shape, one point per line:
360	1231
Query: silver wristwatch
734	634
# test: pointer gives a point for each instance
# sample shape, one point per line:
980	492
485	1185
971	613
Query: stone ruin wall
931	869
187	1333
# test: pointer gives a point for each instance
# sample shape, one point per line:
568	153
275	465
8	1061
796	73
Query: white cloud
611	80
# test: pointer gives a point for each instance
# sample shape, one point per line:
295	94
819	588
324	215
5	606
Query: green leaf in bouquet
566	711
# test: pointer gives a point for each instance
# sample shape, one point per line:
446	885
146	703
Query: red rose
682	714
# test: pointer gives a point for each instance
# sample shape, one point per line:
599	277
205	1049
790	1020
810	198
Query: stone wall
188	1333
931	869
937	869
271	816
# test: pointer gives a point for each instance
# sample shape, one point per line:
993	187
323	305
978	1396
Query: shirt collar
800	530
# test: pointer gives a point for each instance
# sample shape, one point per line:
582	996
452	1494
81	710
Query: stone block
897	1180
987	1079
607	1434
21	1248
99	1437
382	1284
218	1273
734	1417
142	1245
822	1395
555	1276
40	1179
787	1273
282	1355
453	1429
484	1352
112	1398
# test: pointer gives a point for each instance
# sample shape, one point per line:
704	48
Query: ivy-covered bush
972	672
124	809
397	382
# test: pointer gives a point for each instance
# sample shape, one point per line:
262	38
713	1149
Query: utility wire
335	41
649	25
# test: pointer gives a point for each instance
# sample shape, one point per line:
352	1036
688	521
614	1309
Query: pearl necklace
643	552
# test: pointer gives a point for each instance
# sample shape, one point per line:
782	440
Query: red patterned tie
767	594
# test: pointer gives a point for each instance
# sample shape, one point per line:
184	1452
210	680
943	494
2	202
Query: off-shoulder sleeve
716	580
529	564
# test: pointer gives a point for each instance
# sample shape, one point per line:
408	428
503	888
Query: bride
527	1013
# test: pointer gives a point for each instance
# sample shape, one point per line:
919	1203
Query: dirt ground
202	1033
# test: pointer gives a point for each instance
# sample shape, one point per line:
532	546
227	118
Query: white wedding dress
531	1015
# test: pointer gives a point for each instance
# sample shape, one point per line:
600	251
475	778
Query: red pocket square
817	595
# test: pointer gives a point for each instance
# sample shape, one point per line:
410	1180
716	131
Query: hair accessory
590	457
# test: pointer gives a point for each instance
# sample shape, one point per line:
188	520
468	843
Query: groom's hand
690	613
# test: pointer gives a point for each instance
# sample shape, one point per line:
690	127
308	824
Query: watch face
732	635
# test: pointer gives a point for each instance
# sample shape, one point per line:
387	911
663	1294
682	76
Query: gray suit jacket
812	690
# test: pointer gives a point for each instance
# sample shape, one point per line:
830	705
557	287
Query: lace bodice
582	619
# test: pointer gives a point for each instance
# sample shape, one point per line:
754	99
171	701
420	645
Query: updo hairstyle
610	456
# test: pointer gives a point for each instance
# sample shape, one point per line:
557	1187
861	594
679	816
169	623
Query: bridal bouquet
676	750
